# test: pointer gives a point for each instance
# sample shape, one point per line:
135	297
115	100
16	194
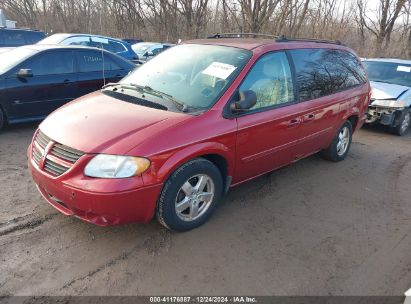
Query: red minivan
173	136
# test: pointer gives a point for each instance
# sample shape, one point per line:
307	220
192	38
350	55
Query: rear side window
63	63
115	47
92	61
322	72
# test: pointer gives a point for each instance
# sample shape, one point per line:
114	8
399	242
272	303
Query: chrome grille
42	139
36	156
59	159
54	168
66	153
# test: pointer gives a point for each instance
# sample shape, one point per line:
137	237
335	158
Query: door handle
67	82
308	117
293	123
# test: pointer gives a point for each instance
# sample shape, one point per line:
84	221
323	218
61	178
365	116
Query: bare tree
256	13
382	23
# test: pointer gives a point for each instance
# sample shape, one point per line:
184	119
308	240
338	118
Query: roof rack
284	38
281	38
239	35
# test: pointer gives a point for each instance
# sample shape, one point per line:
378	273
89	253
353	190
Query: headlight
116	166
390	103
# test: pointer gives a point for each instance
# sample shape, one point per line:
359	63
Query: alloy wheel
194	197
343	141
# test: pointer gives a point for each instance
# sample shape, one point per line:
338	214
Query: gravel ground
313	228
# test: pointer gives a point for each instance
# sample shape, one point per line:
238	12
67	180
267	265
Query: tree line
372	28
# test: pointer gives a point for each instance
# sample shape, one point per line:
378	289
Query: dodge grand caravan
174	135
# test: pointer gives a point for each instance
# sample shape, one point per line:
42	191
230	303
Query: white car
390	102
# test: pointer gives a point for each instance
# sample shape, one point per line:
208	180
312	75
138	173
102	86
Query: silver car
390	103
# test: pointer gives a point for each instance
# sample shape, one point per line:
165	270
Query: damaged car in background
390	103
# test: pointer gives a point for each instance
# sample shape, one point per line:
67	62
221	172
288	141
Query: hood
5	49
382	90
97	123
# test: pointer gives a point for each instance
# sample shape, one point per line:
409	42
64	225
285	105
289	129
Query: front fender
165	164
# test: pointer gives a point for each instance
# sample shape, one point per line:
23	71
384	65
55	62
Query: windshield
195	75
389	72
53	39
9	60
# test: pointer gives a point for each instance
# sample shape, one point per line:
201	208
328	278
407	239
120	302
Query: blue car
115	46
17	37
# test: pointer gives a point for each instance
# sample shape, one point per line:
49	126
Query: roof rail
284	38
239	35
281	38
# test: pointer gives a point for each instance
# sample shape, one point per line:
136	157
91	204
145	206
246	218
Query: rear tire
404	123
340	145
190	195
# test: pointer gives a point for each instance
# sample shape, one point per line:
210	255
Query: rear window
322	72
33	37
13	38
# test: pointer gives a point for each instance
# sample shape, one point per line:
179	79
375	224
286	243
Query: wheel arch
5	116
220	155
353	119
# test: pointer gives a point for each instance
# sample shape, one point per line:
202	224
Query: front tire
2	119
404	123
340	145
190	195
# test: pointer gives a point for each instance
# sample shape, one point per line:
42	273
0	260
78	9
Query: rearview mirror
25	73
248	99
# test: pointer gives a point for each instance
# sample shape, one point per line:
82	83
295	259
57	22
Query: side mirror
248	99
25	73
149	54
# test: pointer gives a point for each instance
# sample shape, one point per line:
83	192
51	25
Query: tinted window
270	78
389	72
323	72
92	61
12	38
33	37
115	47
51	63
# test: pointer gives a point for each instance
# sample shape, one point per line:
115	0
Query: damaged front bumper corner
388	116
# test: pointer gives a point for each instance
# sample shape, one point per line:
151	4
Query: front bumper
97	201
387	116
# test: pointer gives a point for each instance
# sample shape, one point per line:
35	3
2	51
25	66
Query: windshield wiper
150	90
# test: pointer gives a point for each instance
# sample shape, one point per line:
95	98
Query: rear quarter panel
355	103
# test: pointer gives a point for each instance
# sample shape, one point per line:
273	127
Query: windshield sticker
402	68
220	70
